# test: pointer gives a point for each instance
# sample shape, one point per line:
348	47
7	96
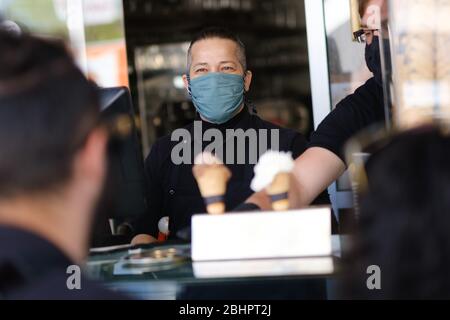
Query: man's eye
228	68
201	70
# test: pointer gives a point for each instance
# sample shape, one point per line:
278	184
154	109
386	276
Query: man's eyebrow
228	61
200	64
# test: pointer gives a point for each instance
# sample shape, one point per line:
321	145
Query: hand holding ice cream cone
212	177
273	174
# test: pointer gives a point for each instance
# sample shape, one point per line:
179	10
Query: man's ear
186	82
90	162
247	80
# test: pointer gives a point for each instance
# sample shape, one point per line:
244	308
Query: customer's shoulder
54	287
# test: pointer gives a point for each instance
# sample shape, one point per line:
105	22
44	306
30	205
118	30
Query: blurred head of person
52	147
366	13
10	26
374	15
405	218
217	76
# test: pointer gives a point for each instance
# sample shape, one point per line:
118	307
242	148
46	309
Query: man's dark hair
405	219
221	33
47	110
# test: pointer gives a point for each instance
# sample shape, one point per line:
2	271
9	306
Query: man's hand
261	199
143	239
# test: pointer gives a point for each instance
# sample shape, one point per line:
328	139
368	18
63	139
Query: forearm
314	171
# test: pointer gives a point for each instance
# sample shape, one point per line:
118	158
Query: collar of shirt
239	121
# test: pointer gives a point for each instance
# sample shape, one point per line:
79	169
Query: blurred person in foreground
404	221
52	167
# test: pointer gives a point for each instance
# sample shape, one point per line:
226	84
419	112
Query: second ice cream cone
278	191
272	174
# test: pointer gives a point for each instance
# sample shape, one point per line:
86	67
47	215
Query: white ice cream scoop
273	174
269	165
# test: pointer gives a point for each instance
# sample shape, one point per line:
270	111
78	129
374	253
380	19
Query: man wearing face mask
324	160
217	80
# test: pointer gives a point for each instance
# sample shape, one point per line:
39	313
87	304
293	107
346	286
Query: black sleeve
298	145
354	113
246	207
148	224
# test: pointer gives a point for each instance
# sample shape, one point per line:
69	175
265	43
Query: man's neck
55	220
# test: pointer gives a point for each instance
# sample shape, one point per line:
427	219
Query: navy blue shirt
33	268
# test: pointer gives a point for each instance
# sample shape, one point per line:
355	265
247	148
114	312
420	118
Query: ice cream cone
278	191
272	174
212	181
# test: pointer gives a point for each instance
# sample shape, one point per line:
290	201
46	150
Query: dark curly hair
47	109
405	220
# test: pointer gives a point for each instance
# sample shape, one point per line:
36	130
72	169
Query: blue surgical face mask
217	96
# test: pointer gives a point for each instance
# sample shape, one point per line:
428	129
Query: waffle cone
212	181
216	208
280	185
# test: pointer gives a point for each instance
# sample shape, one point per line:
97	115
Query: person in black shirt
217	79
52	167
323	162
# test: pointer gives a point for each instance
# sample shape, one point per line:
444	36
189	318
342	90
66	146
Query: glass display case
167	272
